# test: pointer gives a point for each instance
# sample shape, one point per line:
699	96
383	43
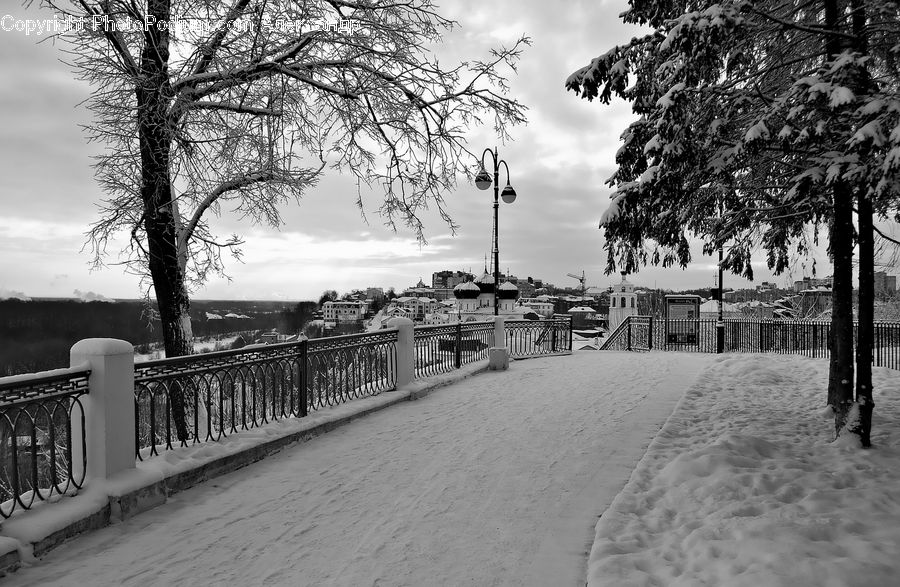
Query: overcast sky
558	164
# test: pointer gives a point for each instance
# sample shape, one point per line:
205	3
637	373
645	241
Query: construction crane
580	279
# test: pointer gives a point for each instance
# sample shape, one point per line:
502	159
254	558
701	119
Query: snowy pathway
496	480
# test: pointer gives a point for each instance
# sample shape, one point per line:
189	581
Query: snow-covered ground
495	480
500	479
201	345
744	487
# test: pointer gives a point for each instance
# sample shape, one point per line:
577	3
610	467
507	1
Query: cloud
89	296
8	294
558	162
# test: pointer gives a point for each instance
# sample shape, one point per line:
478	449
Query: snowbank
743	486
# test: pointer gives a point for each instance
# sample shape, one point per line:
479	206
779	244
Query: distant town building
526	289
710	309
273	337
375	293
563	304
584	317
334	313
812	283
417	307
541	305
420	290
622	303
449	279
884	283
475	299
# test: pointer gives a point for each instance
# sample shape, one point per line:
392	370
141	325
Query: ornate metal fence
528	338
440	349
808	338
186	400
42	442
342	368
436	349
475	340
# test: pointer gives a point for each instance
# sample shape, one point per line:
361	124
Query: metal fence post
553	337
650	334
628	333
304	377
815	340
457	360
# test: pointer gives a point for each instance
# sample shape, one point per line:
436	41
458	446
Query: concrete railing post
108	407
498	355
499	332
405	360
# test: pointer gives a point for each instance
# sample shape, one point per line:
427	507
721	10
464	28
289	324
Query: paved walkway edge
120	506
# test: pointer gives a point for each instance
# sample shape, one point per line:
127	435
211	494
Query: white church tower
622	303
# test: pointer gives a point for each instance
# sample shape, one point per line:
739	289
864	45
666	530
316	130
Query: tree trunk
866	332
840	372
866	240
156	192
861	85
840	368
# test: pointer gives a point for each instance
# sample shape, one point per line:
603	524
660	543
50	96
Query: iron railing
198	398
528	338
42	441
341	368
440	349
808	338
437	349
475	340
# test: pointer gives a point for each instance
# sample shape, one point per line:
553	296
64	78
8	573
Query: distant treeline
37	335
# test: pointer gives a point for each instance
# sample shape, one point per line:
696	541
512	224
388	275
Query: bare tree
203	106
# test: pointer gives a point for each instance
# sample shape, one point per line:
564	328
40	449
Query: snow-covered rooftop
467	285
485	278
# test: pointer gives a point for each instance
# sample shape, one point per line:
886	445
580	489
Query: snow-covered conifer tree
758	124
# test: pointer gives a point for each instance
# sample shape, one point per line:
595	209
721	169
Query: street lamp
720	321
483	180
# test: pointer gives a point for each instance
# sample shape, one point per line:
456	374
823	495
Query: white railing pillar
108	407
498	355
499	332
405	363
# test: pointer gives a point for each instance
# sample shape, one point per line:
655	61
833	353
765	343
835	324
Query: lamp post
483	181
714	225
720	323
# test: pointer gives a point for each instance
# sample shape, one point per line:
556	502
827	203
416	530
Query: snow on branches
744	117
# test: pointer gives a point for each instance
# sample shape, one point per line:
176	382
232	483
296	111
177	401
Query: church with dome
474	300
